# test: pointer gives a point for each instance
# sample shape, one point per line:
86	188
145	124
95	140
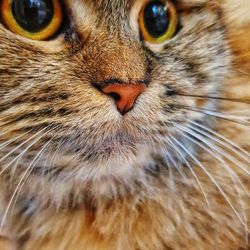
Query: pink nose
124	95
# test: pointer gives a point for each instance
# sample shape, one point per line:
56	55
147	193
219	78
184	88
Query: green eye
158	21
34	19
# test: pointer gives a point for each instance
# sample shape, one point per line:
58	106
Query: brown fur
109	187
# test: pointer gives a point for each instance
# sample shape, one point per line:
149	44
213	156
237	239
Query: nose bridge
108	48
119	61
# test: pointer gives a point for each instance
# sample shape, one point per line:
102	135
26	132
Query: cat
118	132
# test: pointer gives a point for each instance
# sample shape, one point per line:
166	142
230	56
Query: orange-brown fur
130	212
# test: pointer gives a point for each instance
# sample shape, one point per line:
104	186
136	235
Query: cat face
54	114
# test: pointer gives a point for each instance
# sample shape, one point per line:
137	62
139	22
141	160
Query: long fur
165	176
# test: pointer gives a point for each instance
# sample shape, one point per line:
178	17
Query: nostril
124	95
115	96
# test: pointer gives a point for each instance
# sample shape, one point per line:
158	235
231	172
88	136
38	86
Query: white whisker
39	155
53	158
19	156
216	185
236	119
3	145
26	173
243	153
174	163
190	168
20	145
224	153
171	177
213	152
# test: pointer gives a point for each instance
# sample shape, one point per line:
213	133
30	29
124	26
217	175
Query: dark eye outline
172	28
51	29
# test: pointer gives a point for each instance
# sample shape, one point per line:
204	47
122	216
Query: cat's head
107	90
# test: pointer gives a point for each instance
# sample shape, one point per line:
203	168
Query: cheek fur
74	172
56	92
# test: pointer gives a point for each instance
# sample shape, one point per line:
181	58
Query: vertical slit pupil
33	15
156	18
